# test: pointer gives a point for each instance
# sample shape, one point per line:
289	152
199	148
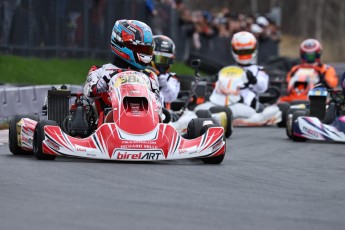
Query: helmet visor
139	48
310	57
162	60
244	51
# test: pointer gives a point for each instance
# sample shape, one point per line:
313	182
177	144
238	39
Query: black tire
195	125
227	110
212	160
38	139
290	112
284	108
203	114
296	115
167	115
12	133
197	128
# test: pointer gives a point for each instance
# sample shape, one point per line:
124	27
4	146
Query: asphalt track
265	182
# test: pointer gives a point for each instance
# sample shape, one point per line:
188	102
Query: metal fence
82	29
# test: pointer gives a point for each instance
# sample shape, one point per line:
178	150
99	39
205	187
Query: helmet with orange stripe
244	48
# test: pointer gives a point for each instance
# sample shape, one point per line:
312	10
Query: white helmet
244	48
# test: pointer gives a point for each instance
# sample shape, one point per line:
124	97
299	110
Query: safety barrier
26	99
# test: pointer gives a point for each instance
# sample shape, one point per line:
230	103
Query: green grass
21	70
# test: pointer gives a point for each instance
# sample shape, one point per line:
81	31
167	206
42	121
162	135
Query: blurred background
203	29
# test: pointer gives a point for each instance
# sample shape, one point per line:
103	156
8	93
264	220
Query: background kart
318	122
231	80
222	115
130	129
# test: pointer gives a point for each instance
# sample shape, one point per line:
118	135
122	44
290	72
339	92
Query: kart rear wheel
13	136
203	113
283	107
296	115
227	110
38	140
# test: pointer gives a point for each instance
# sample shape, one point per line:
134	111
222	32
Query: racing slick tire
284	108
12	134
167	115
197	128
289	119
38	139
203	113
227	110
296	115
195	125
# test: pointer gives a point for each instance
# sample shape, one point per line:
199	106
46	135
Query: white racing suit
242	105
169	87
108	71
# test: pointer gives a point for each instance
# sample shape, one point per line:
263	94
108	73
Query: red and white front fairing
134	107
110	142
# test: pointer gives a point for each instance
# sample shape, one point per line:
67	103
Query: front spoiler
110	143
313	129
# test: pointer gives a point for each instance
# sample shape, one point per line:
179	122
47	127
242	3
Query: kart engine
81	120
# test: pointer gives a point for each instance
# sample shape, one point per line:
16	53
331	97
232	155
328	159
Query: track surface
265	182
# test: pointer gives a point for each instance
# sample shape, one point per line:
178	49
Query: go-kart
221	114
231	80
319	122
302	80
130	128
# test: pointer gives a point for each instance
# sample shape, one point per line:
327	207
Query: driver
244	51
310	53
246	107
163	59
132	46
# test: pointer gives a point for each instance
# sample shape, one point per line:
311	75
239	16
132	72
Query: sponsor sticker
153	154
310	132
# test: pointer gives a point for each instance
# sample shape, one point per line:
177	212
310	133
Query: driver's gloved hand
323	80
251	78
102	86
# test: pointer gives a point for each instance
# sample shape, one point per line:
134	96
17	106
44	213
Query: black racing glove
323	80
251	78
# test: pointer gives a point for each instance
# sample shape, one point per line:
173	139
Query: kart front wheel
228	127
197	128
39	138
296	115
13	135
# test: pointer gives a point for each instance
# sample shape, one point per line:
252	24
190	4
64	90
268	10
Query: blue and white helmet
132	41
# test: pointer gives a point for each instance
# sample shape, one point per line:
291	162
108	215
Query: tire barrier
26	99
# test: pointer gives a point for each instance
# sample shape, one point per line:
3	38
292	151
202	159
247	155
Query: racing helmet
301	82
244	48
132	41
310	51
163	53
